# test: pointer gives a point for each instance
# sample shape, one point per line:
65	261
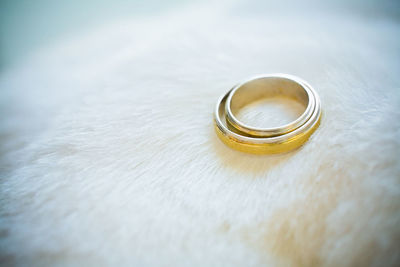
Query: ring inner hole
268	103
270	112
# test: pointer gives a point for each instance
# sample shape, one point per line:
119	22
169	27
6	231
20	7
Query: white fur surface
108	154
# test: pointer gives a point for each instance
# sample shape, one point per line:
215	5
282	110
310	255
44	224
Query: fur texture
108	154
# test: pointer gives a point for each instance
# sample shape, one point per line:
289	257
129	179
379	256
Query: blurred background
85	174
26	25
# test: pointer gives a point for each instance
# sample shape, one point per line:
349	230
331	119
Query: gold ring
250	139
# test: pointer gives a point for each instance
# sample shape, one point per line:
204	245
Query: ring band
268	86
267	140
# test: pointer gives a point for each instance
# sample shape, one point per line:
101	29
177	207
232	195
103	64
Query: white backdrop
108	154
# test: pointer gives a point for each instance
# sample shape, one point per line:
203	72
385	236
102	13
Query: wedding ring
263	87
251	139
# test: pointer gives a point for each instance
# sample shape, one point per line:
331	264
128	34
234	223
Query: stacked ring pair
245	138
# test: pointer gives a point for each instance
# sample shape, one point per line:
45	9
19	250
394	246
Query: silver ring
285	141
266	86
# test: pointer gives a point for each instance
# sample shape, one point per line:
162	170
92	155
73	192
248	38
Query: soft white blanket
109	157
